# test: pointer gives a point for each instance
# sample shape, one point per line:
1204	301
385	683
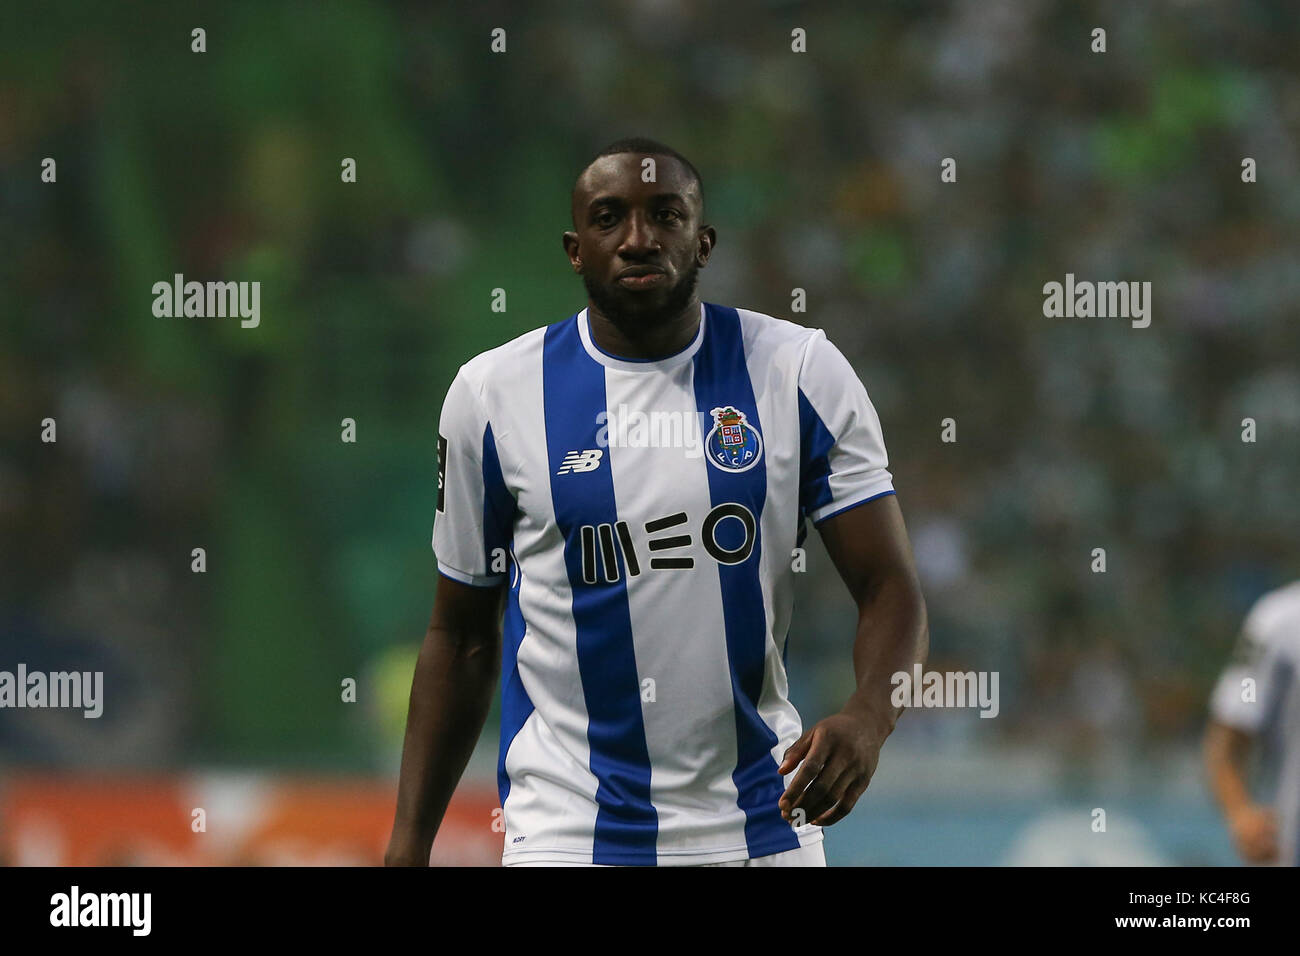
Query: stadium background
821	171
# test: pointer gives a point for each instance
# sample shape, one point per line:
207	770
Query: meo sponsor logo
601	544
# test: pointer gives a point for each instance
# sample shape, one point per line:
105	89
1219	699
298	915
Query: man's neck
645	342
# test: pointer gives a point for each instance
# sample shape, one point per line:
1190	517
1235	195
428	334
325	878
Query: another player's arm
870	549
451	694
1253	827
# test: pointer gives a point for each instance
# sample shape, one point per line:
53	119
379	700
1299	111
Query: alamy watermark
633	428
946	689
1103	300
74	690
76	909
210	300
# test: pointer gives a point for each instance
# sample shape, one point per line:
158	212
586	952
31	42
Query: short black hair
646	147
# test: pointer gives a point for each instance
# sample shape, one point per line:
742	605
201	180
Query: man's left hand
839	756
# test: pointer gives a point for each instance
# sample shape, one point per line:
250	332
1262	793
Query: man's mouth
645	281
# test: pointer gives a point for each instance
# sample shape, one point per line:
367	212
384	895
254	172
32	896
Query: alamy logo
75	690
1104	300
75	908
576	461
634	428
211	300
948	689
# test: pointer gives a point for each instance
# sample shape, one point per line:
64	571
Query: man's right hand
1254	832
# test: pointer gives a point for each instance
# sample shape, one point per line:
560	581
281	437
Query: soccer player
1258	697
646	572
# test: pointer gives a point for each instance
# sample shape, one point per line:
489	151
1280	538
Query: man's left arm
869	546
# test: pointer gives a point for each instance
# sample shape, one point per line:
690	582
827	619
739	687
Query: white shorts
810	855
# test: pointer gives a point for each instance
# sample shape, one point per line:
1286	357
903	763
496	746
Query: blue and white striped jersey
1259	693
645	515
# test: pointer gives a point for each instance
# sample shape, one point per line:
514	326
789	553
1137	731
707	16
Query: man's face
638	245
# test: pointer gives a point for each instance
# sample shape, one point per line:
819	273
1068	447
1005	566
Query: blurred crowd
821	172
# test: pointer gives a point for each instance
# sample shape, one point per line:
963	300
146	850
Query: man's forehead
621	172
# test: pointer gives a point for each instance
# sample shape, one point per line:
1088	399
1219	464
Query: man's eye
605	219
673	214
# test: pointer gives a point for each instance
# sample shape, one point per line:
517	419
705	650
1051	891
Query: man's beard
613	303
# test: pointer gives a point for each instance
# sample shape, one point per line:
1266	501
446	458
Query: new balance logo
575	461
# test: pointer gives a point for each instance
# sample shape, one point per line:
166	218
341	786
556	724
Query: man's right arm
451	694
1242	708
1253	827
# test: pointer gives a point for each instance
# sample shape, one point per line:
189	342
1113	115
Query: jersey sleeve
842	460
1258	657
474	518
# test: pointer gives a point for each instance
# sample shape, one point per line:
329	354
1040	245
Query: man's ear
708	238
570	242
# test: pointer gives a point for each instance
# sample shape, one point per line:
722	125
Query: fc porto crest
733	444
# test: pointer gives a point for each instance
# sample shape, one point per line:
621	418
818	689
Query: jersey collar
640	365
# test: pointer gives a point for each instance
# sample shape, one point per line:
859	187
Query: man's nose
640	238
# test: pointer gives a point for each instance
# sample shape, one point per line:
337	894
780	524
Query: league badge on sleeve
442	474
733	444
